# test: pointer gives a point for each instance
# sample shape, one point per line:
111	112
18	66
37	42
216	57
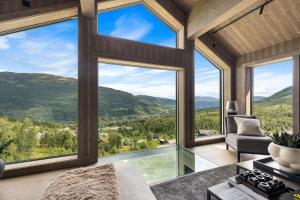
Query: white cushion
132	185
247	126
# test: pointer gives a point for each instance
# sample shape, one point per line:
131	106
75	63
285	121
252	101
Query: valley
38	117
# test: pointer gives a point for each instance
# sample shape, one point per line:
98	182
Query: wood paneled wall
296	94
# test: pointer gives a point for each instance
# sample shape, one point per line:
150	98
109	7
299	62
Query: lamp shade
232	107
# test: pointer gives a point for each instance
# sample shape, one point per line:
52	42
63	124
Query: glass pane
38	92
168	165
136	23
207	98
137	108
273	96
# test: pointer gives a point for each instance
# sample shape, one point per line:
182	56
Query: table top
225	191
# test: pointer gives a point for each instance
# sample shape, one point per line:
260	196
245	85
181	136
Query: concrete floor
33	186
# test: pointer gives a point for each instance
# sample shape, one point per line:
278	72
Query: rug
90	183
192	186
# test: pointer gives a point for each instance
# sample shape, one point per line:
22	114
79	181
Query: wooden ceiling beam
88	8
215	52
207	15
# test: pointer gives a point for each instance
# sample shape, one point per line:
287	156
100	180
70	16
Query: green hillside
275	111
282	97
45	97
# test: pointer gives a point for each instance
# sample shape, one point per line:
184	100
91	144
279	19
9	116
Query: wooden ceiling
279	22
187	5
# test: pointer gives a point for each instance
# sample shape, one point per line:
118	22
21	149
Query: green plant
286	139
3	146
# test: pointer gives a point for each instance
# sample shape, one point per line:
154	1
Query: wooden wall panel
271	54
138	52
296	94
240	88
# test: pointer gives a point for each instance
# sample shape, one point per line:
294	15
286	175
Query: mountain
258	98
203	102
282	97
47	97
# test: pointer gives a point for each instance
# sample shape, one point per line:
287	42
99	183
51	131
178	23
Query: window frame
37	165
221	103
86	149
250	85
172	23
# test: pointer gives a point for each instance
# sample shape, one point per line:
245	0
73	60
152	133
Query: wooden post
296	94
249	90
87	91
189	94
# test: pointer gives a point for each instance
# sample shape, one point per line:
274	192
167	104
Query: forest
38	118
27	139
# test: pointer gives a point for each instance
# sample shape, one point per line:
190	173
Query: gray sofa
244	143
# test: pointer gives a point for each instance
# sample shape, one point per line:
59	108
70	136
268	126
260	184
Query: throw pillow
247	126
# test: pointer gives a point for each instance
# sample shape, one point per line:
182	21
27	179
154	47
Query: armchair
244	143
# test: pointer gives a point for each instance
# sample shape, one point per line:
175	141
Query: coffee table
230	191
248	165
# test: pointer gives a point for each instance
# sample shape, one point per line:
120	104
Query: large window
208	98
272	96
136	23
38	92
137	108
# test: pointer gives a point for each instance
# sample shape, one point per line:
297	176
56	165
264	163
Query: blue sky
271	78
53	49
207	77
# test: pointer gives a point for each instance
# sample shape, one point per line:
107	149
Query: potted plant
285	150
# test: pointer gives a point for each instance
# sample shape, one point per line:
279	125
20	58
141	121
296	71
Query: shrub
286	139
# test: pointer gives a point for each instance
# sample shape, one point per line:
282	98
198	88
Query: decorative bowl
287	158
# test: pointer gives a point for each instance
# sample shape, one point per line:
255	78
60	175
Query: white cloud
35	46
268	83
70	46
19	35
119	71
4	43
209	88
131	27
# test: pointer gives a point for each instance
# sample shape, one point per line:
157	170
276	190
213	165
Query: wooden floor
32	187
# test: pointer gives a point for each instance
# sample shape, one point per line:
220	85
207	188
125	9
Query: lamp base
232	113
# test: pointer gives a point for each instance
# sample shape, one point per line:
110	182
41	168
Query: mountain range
54	98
